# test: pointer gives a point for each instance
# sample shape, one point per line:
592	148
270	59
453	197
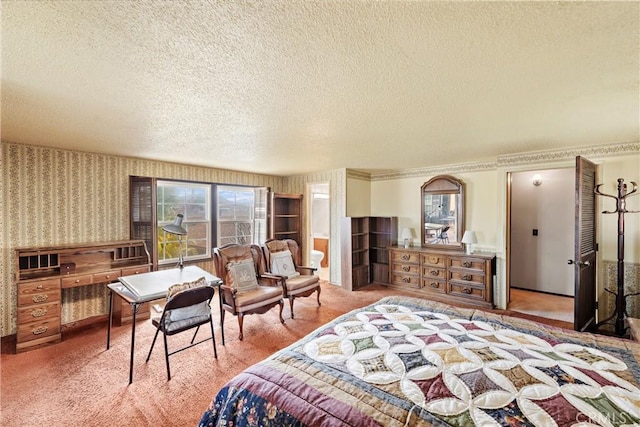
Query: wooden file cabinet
444	275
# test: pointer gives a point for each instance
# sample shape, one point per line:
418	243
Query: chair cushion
302	283
277	246
282	264
261	296
171	325
241	275
201	309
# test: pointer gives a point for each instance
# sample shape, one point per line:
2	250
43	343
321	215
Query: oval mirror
442	212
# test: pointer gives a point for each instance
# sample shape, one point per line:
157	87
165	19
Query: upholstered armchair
283	259
246	288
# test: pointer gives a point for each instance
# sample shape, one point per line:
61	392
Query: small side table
634	328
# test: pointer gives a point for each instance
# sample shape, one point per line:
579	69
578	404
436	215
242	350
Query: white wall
358	197
540	262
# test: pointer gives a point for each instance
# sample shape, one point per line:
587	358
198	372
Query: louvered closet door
585	246
143	223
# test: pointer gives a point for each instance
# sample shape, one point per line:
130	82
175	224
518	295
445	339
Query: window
194	202
241	214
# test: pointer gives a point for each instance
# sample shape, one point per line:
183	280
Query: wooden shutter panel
143	223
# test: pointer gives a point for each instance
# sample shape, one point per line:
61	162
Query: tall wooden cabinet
42	273
365	243
284	216
444	275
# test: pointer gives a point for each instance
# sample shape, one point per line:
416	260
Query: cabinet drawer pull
39	312
435	285
433	259
39	330
434	272
40	298
406	268
77	281
467	277
39	287
107	276
466	290
406	280
467	264
405	257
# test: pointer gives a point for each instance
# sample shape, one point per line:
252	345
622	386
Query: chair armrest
306	270
271	278
228	292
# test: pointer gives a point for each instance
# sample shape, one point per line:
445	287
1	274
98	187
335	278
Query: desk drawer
433	272
434	285
106	276
467	291
405	268
473	277
80	280
39	312
467	263
406	280
139	269
38	329
405	257
44	291
432	259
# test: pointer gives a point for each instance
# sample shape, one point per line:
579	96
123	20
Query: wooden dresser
43	272
449	276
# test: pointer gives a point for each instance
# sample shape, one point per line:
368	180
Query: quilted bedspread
407	362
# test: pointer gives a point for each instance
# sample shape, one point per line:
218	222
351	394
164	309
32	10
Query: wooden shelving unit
284	216
43	272
365	242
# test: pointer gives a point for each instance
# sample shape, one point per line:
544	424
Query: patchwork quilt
410	362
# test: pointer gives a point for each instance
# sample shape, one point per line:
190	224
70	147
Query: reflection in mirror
442	212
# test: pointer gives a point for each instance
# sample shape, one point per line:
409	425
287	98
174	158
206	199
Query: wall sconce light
469	238
407	236
177	229
537	179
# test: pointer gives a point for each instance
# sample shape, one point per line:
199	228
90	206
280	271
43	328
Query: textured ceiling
288	87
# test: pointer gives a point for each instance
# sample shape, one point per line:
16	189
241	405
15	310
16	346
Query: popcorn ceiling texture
290	87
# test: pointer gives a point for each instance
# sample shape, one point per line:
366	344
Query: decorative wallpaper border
532	157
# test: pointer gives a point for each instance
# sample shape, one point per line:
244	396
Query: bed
406	361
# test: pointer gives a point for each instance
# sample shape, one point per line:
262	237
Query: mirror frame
443	184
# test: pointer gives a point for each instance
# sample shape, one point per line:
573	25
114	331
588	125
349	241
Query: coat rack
621	299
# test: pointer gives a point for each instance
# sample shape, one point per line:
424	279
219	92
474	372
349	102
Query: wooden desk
141	288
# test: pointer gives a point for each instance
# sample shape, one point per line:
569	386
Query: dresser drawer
405	268
433	259
470	276
106	276
406	280
38	292
80	280
38	312
434	272
467	291
38	329
434	285
130	271
405	257
467	263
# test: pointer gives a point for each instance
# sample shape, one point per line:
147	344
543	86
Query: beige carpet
79	383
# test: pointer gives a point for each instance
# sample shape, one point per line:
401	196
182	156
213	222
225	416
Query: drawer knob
406	268
433	259
38	312
108	276
406	279
466	290
434	272
40	298
435	285
467	264
77	281
405	257
39	287
39	330
467	277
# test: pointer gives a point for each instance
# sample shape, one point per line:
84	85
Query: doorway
541	240
319	226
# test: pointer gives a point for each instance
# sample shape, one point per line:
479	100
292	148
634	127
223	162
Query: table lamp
406	236
177	229
469	238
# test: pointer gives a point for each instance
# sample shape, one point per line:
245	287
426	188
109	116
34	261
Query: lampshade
469	237
406	233
176	227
